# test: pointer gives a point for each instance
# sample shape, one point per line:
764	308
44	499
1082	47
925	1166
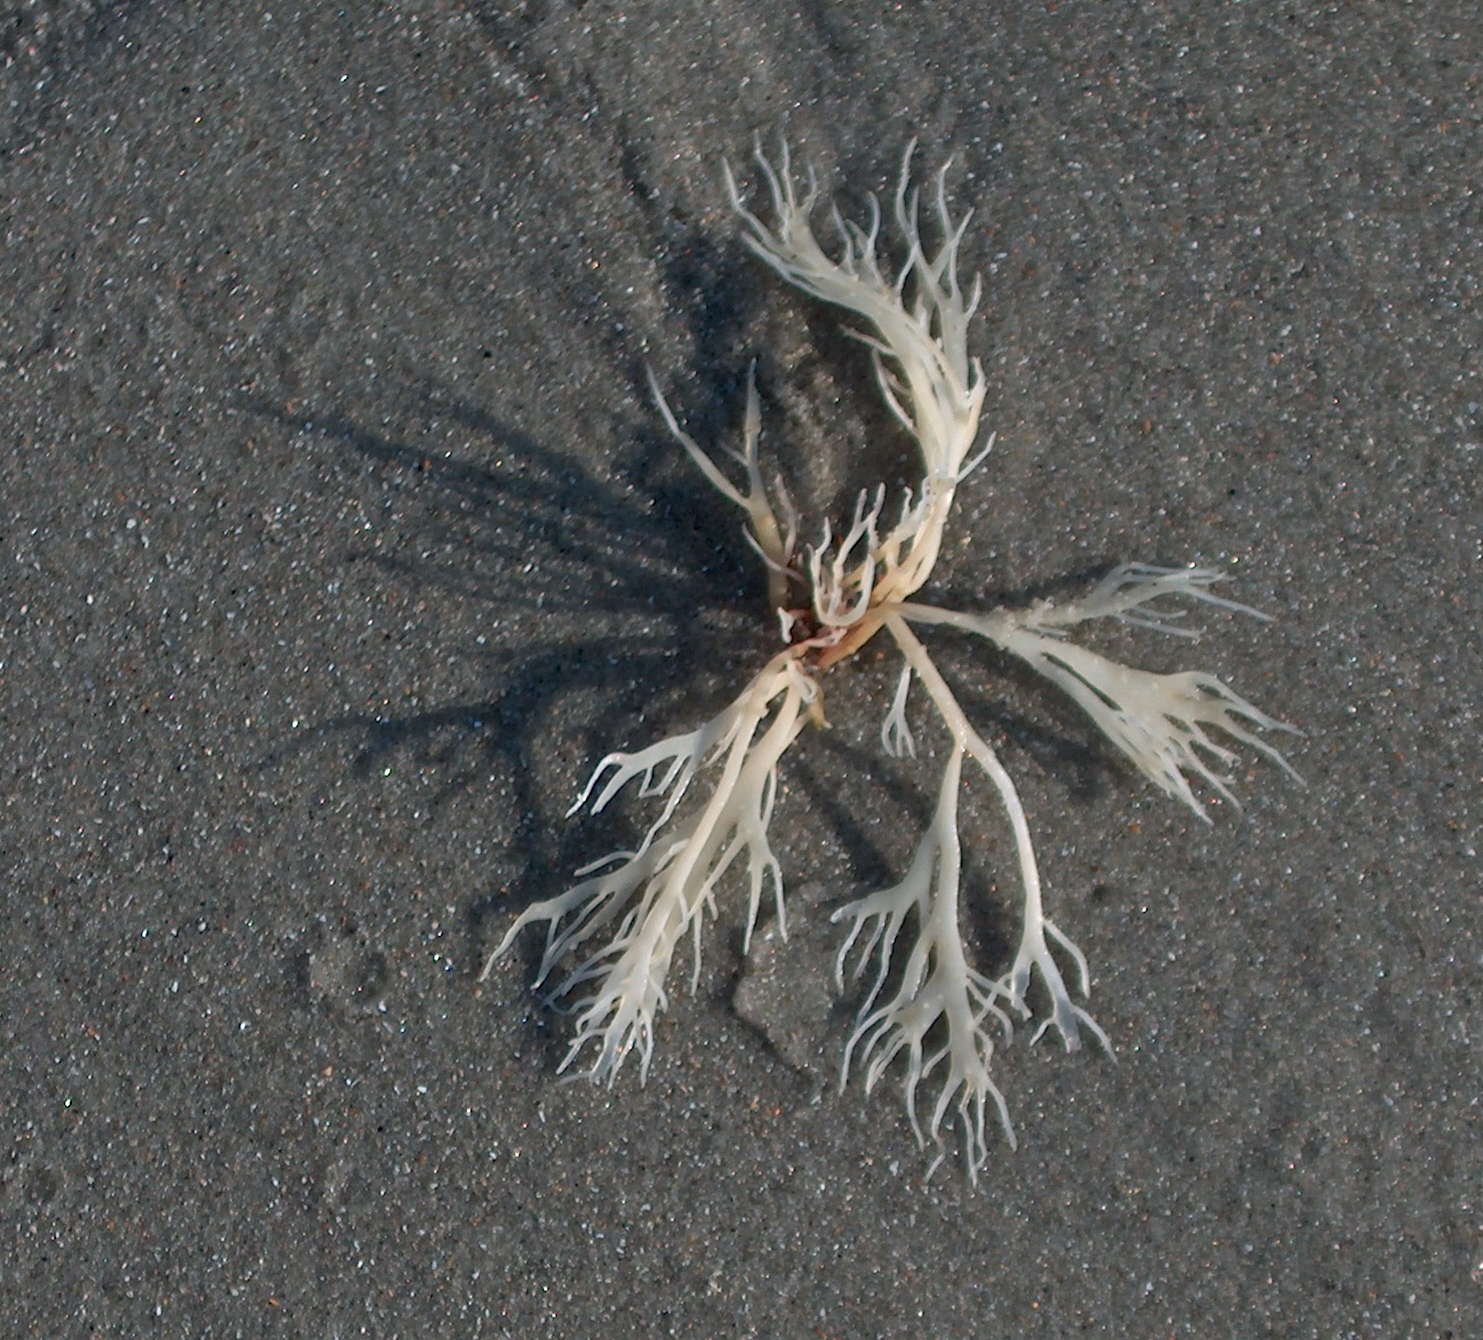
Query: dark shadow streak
649	553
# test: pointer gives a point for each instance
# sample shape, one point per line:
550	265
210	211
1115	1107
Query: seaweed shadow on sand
533	531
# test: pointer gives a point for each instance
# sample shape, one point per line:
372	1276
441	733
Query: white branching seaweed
611	937
936	1015
644	901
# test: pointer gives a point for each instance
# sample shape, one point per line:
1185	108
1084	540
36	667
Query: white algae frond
927	1012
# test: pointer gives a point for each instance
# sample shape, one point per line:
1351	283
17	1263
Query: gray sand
339	539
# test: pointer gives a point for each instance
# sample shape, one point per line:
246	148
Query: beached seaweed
611	937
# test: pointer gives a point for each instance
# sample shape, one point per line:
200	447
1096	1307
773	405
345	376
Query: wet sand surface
339	538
